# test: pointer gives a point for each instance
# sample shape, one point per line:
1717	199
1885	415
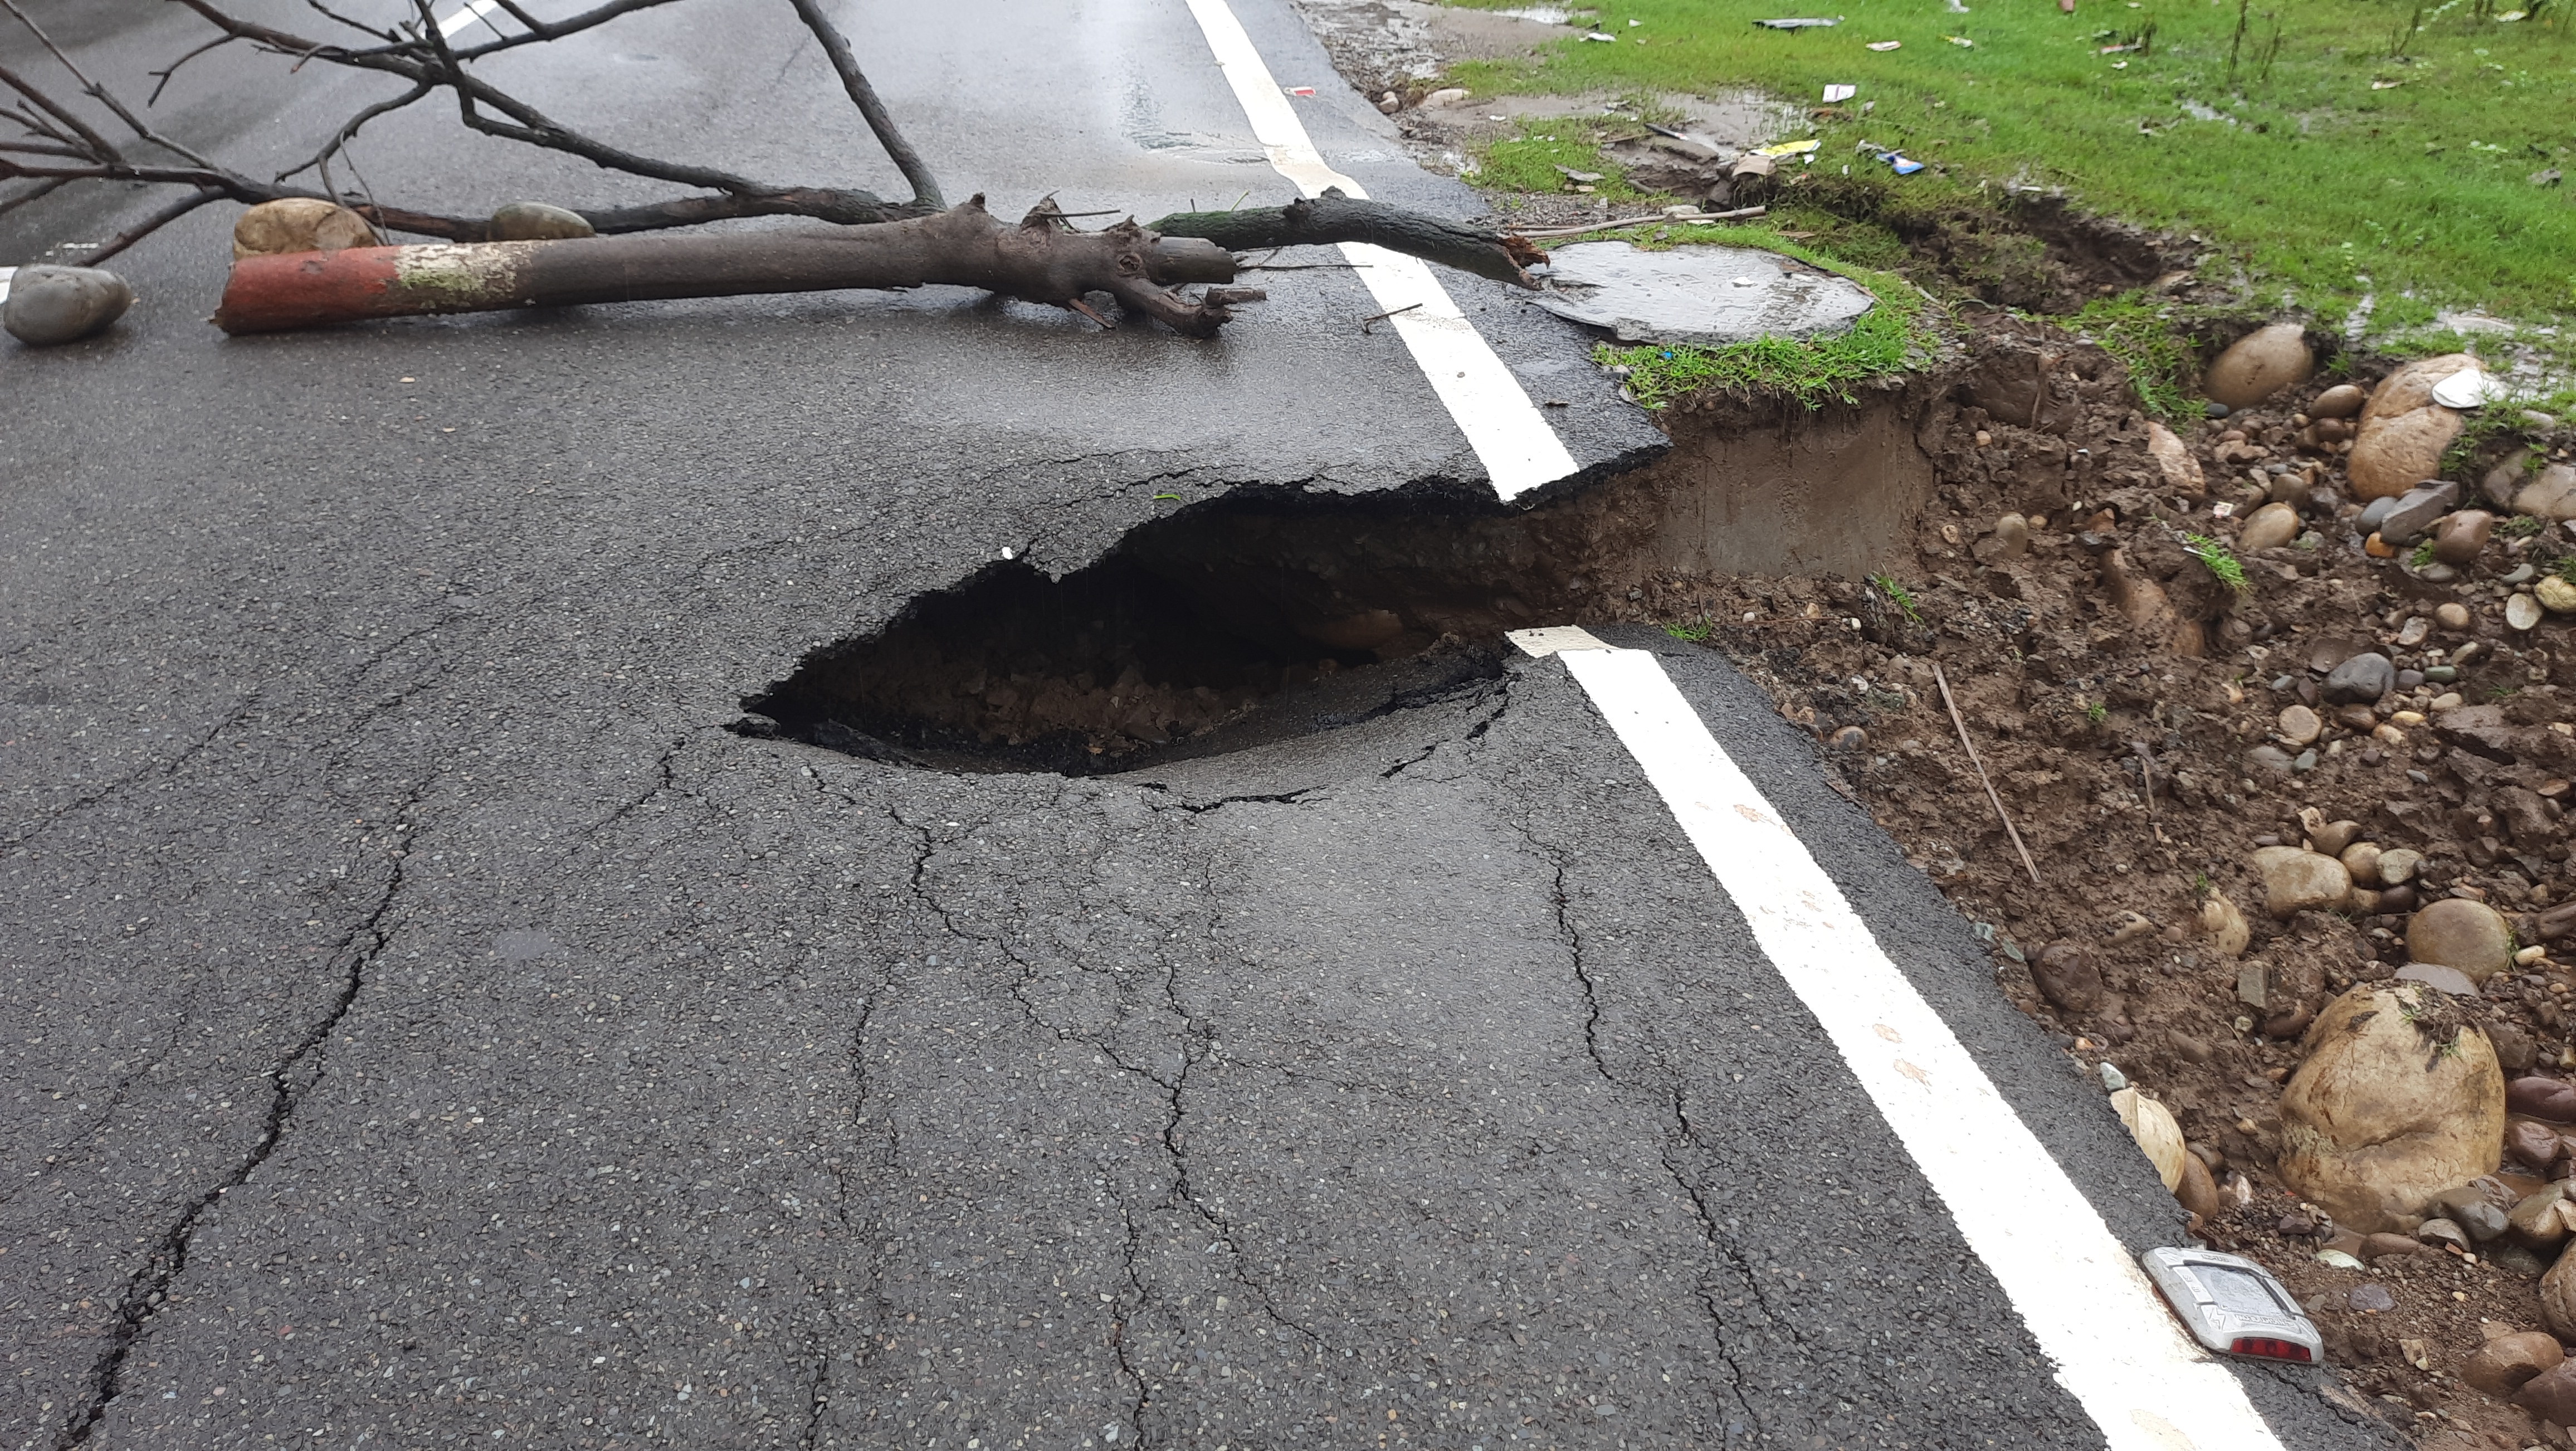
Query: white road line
2117	1350
5	274
466	14
1511	438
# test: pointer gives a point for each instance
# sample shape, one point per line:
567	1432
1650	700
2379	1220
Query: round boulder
2507	1363
50	305
299	224
2260	364
2411	387
2269	527
2400	1098
2459	933
538	222
2393	454
2297	880
2343	400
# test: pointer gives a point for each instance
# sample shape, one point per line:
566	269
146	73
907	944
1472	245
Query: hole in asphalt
1177	644
1251	620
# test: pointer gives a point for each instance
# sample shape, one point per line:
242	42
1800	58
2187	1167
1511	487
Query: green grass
1890	338
1897	595
2325	186
2152	344
1529	161
2222	563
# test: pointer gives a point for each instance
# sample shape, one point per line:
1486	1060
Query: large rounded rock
2507	1363
2258	365
538	222
2297	880
2551	493
50	305
2551	1395
2400	1098
2361	680
2558	1300
2411	387
2394	454
299	224
2458	933
2269	527
2067	977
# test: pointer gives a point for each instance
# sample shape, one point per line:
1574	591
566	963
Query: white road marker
2086	1302
1518	448
5	274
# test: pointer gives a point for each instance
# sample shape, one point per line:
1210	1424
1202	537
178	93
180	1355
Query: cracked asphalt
429	1023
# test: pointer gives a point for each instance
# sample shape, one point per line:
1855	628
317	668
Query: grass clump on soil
1548	155
1894	335
2222	563
2146	339
2342	147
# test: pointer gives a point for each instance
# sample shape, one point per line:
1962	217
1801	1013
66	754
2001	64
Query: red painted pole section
310	289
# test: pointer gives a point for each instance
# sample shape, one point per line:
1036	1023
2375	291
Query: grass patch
2219	560
2379	146
1892	337
2151	344
1538	159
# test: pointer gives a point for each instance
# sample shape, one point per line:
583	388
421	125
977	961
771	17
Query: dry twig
1943	681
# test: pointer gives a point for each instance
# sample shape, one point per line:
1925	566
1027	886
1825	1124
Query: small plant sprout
1897	595
2097	712
2214	556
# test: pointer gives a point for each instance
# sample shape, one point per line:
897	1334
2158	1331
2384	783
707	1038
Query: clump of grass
2097	712
1695	632
1893	336
1538	158
2219	561
2144	336
2422	556
2522	526
1897	595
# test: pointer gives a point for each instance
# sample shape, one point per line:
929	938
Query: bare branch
925	188
99	93
393	37
153	223
349	129
40	189
58	111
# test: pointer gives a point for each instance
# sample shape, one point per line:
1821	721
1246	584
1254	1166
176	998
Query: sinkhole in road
1246	620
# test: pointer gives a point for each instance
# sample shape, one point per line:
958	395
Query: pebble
2334	836
538	222
2214	410
2373	513
2441	674
1984	438
2381	1246
2272	526
2225	925
2300	726
2535	1219
2519	574
2296	880
2551	494
2412	633
2462	537
2434	975
2367	1297
2306	762
2409	679
2270	758
2337	1259
2416	509
49	306
2067	977
2113	1080
2343	400
2442	1231
2452	616
2556	595
2360	680
2436	573
2362	860
1849	738
2482	1220
2012	532
2456	932
2522	612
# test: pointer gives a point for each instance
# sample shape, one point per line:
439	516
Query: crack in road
147	1290
171	767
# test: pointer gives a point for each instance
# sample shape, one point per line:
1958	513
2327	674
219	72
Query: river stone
2416	509
2343	400
2067	977
2361	680
2300	726
2395	1103
2507	1363
2225	925
2333	837
2397	865
2555	594
2269	527
2459	539
2504	481
2440	1231
2012	536
2411	387
2392	455
2260	364
2558	1309
299	224
2362	860
1703	296
2453	616
2181	471
2296	880
2522	612
2551	494
2457	932
51	305
2535	1218
537	222
2434	975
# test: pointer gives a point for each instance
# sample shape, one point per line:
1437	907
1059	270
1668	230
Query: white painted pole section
2118	1350
1518	448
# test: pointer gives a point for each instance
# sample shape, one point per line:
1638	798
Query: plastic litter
1301	90
1789	148
1801	23
1961	41
2466	388
1840	93
1885	45
1597	35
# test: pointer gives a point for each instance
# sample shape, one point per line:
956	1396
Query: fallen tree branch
1334	217
1038	260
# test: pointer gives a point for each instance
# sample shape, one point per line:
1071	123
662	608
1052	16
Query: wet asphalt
429	1023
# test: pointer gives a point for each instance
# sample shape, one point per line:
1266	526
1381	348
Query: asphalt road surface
429	1024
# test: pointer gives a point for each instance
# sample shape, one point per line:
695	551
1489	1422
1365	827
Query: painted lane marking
1518	448
2089	1307
5	274
466	14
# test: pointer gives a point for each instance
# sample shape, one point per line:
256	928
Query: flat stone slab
1705	296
